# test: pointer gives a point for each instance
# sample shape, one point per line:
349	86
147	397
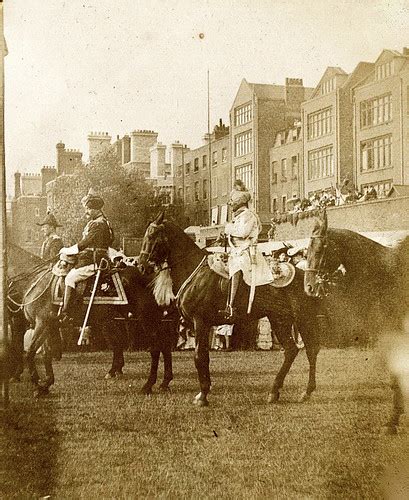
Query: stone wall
388	214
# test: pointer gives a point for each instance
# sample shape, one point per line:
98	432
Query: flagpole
4	337
209	163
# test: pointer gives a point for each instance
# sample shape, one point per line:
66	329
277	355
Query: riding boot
68	299
230	312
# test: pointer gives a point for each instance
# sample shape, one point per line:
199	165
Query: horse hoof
41	392
146	391
119	375
164	389
109	376
390	430
201	403
273	397
304	397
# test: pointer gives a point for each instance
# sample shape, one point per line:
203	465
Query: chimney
17	185
158	159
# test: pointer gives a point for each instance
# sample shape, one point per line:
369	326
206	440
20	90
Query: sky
96	65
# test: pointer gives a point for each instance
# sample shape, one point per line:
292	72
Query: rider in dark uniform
96	238
53	243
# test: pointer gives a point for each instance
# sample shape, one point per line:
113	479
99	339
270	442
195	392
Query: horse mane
361	254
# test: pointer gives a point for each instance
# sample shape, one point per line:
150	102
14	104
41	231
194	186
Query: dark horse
371	281
202	293
31	305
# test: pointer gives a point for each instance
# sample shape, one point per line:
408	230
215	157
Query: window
180	171
320	163
224	155
205	188
245	174
274	205
197	191
187	194
376	111
294	166
376	153
319	123
384	70
187	168
204	161
196	165
242	143
37	212
284	204
29	234
284	168
242	114
382	188
180	193
214	158
328	86
274	167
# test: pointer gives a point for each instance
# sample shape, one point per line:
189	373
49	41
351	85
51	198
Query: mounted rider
242	234
96	239
53	243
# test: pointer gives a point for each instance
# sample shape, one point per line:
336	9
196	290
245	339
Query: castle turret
157	160
48	174
141	143
17	185
98	142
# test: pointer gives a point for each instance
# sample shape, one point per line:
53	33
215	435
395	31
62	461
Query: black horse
31	304
202	293
373	288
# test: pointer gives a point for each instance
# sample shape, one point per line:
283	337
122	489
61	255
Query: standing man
52	243
242	233
96	238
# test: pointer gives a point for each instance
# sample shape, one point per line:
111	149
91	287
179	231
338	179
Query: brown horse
201	293
371	289
30	299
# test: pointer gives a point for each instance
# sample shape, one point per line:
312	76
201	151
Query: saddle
283	272
110	289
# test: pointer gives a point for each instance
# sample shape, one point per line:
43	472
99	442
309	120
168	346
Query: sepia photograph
204	249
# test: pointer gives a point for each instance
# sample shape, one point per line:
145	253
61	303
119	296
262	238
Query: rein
190	277
24	304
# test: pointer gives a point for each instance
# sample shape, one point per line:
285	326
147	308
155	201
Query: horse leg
202	361
18	326
397	407
147	388
115	341
311	349
290	353
168	371
48	381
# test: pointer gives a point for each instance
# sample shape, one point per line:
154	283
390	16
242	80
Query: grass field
94	438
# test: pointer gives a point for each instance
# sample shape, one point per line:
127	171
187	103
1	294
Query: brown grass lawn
94	438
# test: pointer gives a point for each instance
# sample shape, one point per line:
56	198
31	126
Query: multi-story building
67	159
135	150
327	130
29	207
258	112
286	164
202	180
381	124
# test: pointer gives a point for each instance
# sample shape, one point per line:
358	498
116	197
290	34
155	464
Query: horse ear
159	218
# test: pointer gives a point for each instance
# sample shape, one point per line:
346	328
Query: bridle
155	244
321	279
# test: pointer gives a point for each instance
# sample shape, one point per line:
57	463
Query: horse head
155	247
316	255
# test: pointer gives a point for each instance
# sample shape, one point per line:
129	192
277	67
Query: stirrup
228	313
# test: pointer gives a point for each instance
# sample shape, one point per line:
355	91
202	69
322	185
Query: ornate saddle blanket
283	272
110	290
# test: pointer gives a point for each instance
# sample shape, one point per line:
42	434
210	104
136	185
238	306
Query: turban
240	197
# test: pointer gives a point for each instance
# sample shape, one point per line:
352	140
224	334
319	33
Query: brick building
202	187
286	164
327	130
381	124
29	207
258	112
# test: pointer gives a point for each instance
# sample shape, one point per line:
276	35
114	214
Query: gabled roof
361	71
330	72
388	52
268	91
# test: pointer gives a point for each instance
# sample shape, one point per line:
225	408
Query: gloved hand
73	250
